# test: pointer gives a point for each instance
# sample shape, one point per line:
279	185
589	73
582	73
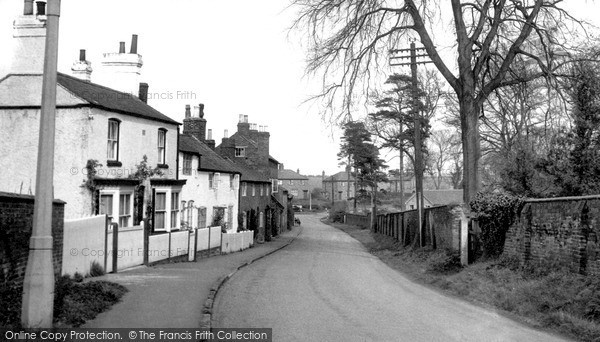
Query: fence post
105	242
169	251
115	245
208	250
195	242
464	239
146	242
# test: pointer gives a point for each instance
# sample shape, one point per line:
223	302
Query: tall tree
347	39
444	148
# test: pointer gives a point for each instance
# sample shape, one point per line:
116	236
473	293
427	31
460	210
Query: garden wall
16	223
557	232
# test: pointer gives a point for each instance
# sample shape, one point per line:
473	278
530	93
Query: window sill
116	163
162	166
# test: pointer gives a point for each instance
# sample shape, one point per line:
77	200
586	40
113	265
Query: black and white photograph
300	170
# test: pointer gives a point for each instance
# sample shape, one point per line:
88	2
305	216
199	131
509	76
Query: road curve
326	287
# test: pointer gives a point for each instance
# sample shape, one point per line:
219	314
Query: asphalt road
326	287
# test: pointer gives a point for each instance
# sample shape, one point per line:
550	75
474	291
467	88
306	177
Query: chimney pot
82	55
143	94
28	9
245	118
134	43
201	110
209	134
298	171
188	111
121	47
41	8
226	134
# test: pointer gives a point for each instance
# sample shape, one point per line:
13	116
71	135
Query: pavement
174	295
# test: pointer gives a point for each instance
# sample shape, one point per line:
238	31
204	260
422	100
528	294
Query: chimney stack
194	124
134	40
82	69
29	32
41	7
298	171
209	140
143	94
243	126
121	70
28	9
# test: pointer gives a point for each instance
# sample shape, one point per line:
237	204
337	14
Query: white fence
91	240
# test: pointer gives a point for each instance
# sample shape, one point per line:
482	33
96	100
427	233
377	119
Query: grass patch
75	302
543	296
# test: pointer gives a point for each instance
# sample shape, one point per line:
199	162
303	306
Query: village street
326	287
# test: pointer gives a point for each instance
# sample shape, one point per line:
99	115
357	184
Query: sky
235	57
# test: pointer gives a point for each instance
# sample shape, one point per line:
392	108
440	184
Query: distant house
93	123
433	198
262	204
339	186
294	182
211	194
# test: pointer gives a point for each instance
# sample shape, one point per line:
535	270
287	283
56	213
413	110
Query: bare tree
444	148
347	40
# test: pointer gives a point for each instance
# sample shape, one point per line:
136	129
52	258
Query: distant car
297	207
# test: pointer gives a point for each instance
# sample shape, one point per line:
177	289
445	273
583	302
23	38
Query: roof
341	176
210	160
273	159
20	90
251	175
289	174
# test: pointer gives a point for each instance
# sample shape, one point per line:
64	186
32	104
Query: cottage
104	137
211	194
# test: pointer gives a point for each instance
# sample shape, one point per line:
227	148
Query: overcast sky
234	56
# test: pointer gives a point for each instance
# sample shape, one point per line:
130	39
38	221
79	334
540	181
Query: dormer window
240	151
162	144
112	151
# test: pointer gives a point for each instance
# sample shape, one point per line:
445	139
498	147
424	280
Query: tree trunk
469	119
374	207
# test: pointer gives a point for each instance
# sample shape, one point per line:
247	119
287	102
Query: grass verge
543	297
74	302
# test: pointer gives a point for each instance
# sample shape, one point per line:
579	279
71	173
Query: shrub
96	269
495	213
337	216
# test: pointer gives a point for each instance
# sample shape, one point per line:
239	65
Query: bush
495	212
96	269
337	216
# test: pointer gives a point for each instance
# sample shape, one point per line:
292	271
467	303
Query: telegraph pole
38	285
396	54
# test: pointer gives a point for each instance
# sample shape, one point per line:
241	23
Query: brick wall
16	222
561	232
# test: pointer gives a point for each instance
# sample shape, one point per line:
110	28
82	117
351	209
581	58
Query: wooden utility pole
38	285
417	122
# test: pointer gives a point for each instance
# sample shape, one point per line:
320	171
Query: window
213	180
274	185
253	189
294	193
262	189
305	193
231	182
124	210
113	140
190	211
106	206
244	188
202	217
160	210
291	182
162	142
240	151
304	182
342	184
174	209
187	164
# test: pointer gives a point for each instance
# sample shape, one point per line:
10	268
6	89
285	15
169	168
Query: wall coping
13	197
561	199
